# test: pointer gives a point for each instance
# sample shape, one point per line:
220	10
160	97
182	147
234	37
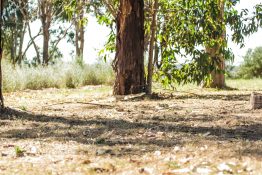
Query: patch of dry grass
60	75
87	131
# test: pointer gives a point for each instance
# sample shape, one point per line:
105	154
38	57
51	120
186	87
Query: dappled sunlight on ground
87	131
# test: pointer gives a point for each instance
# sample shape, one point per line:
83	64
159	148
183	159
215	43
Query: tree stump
256	100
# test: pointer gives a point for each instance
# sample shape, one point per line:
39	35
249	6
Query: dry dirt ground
87	131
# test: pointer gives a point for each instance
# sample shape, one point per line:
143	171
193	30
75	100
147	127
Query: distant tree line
251	67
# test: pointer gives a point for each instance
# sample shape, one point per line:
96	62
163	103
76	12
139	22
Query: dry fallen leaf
86	162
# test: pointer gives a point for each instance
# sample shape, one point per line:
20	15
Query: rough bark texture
129	61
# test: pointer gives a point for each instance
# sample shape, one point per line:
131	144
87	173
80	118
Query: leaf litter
204	133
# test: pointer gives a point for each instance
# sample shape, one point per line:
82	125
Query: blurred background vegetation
250	68
58	75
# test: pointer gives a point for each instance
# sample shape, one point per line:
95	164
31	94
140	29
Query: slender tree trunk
79	40
82	41
163	44
218	77
45	45
129	61
45	11
1	54
12	48
21	43
80	31
15	43
156	56
38	60
151	48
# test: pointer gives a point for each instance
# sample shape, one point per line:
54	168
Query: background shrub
60	75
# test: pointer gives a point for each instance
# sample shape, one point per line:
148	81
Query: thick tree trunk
151	48
218	78
129	61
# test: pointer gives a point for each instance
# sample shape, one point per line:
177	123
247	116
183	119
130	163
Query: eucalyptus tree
127	39
16	15
80	22
192	31
77	12
130	46
195	31
213	50
129	61
46	11
1	55
50	12
153	28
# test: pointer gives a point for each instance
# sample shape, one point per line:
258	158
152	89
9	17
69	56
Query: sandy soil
87	131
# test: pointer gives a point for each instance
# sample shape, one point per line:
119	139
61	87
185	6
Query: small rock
203	170
157	153
183	170
146	170
101	152
33	150
224	167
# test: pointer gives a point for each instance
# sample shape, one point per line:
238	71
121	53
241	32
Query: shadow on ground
151	133
190	95
228	97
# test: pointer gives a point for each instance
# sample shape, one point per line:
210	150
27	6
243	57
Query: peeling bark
129	61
